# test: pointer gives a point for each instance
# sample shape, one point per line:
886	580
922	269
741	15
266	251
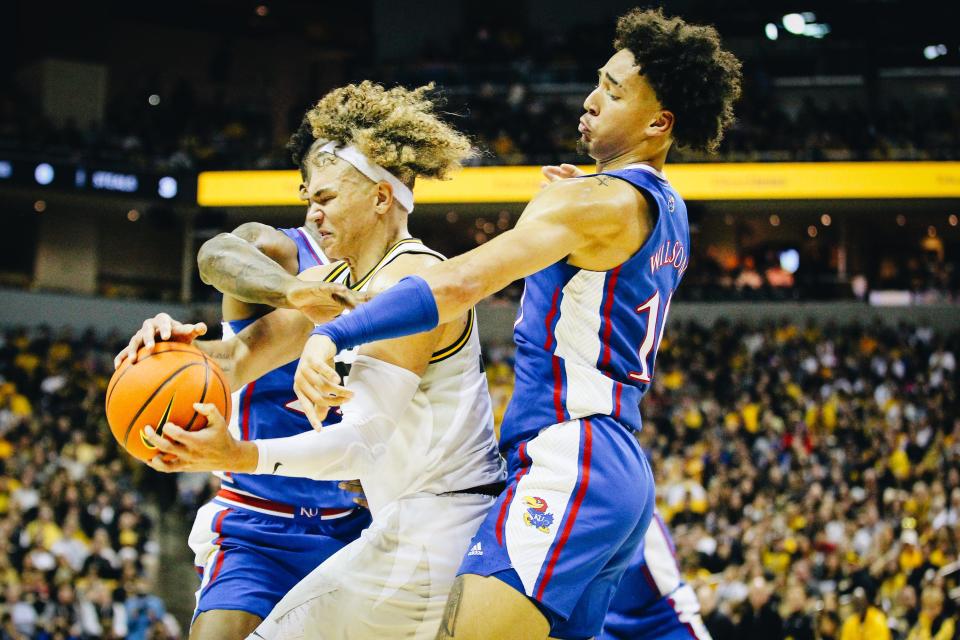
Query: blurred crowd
515	124
78	550
924	271
810	475
518	91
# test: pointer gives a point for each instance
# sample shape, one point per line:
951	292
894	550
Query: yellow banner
709	181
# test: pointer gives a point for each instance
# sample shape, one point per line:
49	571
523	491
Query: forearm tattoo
448	626
237	268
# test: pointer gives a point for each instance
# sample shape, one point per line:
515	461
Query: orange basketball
161	387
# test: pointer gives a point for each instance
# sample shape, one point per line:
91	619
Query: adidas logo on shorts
475	550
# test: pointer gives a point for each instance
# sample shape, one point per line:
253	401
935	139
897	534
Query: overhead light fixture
934	51
816	30
43	174
804	24
794	23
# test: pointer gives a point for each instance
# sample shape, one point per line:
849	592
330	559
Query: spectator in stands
717	622
759	619
867	622
797	623
934	623
144	610
71	527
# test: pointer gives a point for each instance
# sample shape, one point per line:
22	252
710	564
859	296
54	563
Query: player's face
619	111
340	205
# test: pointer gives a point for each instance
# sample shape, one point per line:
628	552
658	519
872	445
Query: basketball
160	387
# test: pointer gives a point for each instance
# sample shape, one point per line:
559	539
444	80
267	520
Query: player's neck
375	248
634	156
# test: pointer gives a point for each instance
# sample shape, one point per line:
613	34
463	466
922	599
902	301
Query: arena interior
802	423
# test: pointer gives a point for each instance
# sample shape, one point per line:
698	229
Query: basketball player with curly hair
602	255
418	432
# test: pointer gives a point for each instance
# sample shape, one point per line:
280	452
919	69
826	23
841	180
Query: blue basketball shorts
247	560
673	617
578	501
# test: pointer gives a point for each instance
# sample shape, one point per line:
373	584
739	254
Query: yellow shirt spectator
899	464
27	362
910	559
672	380
923	630
873	626
751	416
692	418
828	414
46	532
20	405
794	391
931	625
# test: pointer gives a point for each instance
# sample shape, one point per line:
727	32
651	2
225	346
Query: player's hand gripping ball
160	387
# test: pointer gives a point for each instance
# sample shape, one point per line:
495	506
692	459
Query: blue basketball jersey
309	253
268	408
652	600
653	572
587	340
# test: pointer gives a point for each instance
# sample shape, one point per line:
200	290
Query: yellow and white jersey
393	581
445	440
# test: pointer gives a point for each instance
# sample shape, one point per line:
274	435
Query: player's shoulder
403	265
595	206
321	272
588	192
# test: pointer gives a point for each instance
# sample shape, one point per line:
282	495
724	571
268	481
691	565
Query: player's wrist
320	341
246	457
288	292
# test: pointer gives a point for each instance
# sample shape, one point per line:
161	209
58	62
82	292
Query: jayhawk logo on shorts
536	515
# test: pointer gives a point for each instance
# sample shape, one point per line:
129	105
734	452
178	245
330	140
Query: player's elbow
207	256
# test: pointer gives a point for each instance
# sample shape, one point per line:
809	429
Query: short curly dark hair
299	144
691	75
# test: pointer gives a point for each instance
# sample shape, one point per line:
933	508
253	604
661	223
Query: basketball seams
113	383
146	403
224	387
203	394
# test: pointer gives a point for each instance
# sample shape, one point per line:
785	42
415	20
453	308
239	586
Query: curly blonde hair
396	128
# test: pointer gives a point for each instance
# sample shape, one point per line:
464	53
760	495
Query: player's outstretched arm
569	219
593	222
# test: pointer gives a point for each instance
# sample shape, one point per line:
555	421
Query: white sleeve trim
382	392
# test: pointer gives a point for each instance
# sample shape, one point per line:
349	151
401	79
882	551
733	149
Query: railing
23	308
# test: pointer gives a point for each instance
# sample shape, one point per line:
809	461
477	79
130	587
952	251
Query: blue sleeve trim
402	310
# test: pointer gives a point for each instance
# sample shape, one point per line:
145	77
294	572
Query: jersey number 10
651	340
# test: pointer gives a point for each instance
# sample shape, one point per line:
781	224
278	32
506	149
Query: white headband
367	167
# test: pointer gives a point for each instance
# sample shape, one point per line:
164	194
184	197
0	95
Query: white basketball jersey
444	441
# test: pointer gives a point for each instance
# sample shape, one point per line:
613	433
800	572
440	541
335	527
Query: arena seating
795	463
78	552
